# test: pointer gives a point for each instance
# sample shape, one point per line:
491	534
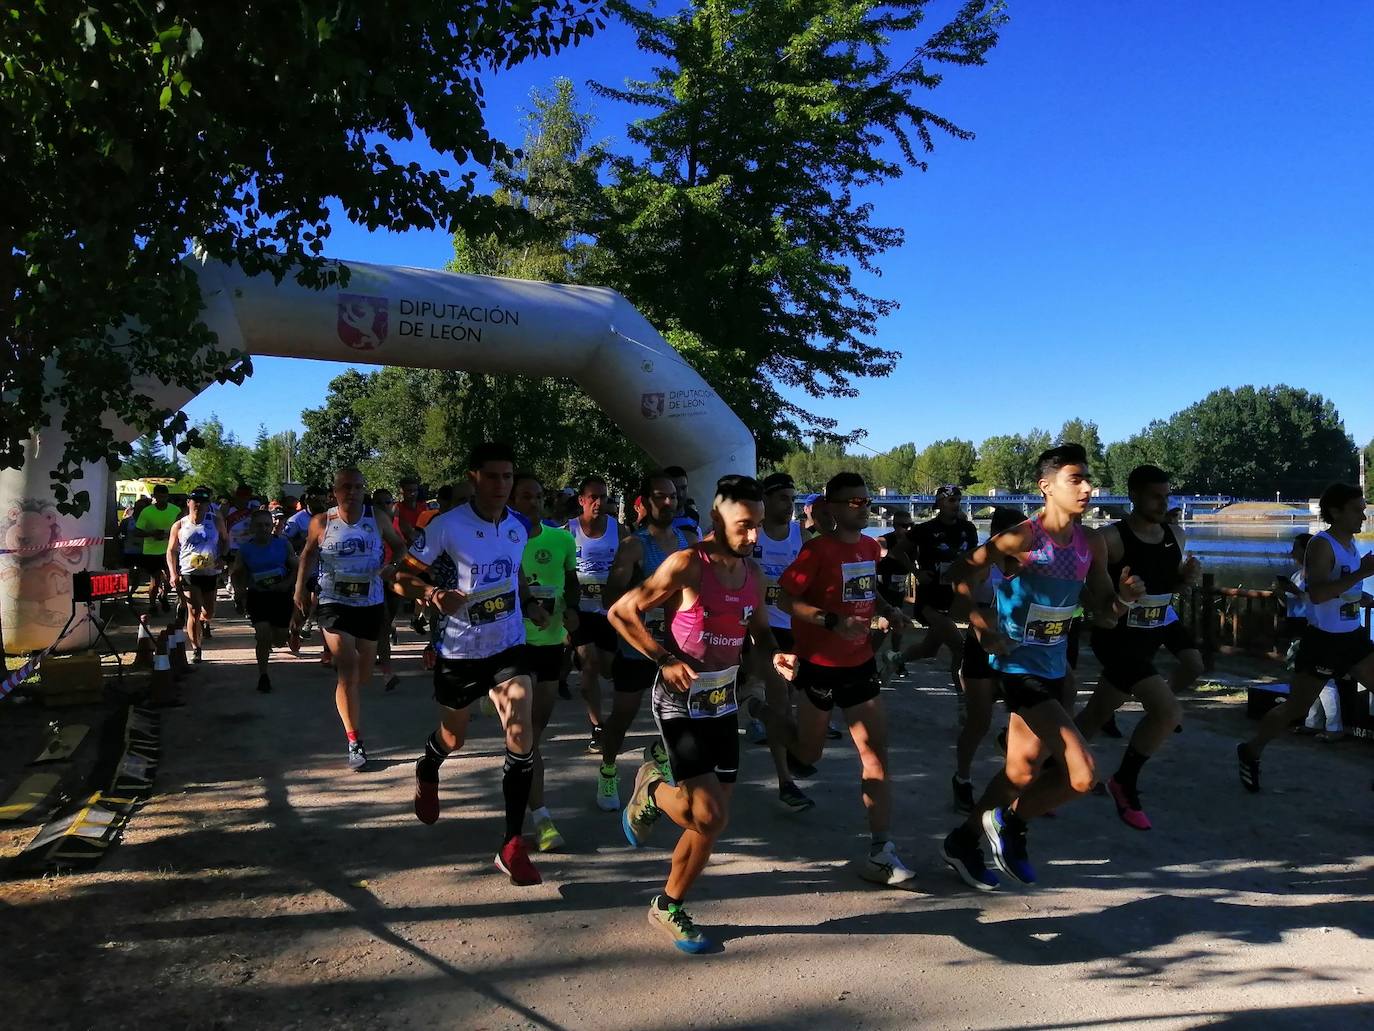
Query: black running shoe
392	683
964	856
594	742
264	685
1249	770
963	794
794	798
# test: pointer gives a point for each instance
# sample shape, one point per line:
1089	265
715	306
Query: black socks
517	778
1131	763
427	768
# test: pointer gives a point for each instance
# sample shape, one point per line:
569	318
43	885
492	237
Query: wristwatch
831	621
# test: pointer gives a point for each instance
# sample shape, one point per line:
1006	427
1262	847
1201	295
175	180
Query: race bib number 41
1149	611
859	581
1047	625
352	587
713	694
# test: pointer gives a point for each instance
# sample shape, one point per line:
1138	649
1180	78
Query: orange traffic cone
143	657
161	687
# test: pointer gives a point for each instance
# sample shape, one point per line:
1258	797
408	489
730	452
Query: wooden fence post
1209	621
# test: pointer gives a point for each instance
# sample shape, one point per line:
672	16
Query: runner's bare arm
173	567
1108	601
969	572
1320	563
679	571
627	558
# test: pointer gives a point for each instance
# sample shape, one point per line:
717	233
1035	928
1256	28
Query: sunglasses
854	502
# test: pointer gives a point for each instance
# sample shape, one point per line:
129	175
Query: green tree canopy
1007	461
218	460
132	128
150	459
333	432
1085	433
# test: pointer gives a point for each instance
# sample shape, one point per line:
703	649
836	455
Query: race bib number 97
859	581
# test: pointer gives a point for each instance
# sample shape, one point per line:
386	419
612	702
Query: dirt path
267	887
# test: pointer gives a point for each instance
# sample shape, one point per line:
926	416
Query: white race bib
592	587
713	694
492	604
1047	625
1149	611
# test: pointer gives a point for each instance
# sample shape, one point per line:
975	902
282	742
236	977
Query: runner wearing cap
831	593
195	556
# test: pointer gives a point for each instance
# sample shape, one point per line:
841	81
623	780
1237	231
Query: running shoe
594	742
1249	771
426	797
677	925
1110	729
607	788
264	684
293	641
196	656
655	753
887	667
794	798
886	868
757	734
963	794
640	814
1008	847
392	683
546	834
964	856
799	769
514	861
1128	805
357	756
207	631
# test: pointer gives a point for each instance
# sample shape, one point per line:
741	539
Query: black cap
778	481
200	494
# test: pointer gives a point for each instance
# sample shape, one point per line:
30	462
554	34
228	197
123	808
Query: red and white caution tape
75	542
25	671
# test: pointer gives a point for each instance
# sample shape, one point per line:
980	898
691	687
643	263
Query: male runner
130	546
264	572
1334	644
779	544
978	678
938	542
713	599
549	564
687	517
1154	550
597	536
344	545
195	550
1046	561
466	564
639	557
897	576
831	593
236	518
152	528
409	508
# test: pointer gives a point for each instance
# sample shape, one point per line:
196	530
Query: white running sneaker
886	867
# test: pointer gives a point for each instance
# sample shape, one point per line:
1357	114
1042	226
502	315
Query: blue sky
1161	200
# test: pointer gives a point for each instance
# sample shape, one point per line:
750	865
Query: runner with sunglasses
831	594
939	542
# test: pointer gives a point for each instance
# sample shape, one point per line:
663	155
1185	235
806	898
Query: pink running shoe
514	861
1128	806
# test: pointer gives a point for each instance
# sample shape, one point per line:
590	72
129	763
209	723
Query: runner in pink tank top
712	594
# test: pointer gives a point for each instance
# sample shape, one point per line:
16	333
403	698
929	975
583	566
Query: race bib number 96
492	606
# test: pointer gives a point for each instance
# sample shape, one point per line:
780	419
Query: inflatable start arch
385	316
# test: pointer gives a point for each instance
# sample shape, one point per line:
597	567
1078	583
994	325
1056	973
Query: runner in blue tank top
264	573
1047	562
639	555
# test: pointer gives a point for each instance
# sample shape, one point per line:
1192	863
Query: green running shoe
655	753
546	836
677	925
641	813
607	788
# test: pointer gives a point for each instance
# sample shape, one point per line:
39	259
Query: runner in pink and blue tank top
1048	561
712	596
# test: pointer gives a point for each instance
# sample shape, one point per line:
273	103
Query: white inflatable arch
385	316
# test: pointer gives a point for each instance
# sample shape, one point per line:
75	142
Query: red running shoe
426	797
514	860
1128	806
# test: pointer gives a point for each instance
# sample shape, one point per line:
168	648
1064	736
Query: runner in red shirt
831	593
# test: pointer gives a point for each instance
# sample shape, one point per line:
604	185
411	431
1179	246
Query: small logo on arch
362	322
651	405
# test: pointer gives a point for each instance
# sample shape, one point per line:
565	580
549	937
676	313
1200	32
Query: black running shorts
1023	691
975	663
207	585
936	597
633	674
845	686
460	682
1178	638
361	621
545	661
272	607
700	747
1127	654
153	564
1331	656
595	629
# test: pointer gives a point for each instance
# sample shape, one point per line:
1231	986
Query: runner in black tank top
1152	550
